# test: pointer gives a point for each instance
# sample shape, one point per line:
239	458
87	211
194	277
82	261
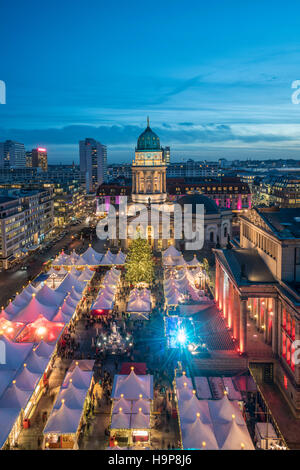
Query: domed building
148	169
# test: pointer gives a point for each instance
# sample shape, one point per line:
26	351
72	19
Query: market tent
193	262
36	364
138	305
86	275
6	378
120	420
182	380
142	404
62	317
108	259
121	403
245	383
222	411
199	436
75	272
233	393
171	251
68	283
189	408
27	380
72	397
15	354
57	272
103	303
44	349
79	378
91	257
202	388
232	436
63	420
132	386
15	398
8	418
120	258
33	310
40	328
48	296
140	420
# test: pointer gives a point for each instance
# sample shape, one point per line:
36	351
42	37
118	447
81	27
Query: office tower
12	154
166	155
93	162
39	158
29	159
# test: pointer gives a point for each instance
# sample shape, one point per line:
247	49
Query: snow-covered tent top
140	420
132	386
33	310
232	436
171	251
199	435
63	421
15	354
121	403
91	257
120	420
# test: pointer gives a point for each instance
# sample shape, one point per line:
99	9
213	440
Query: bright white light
181	337
41	330
191	347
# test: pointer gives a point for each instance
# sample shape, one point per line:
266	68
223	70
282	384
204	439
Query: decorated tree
139	262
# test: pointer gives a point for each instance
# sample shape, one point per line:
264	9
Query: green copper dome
148	140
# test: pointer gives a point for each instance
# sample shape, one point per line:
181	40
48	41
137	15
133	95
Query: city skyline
213	85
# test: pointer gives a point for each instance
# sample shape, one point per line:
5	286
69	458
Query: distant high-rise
12	154
39	158
166	155
93	162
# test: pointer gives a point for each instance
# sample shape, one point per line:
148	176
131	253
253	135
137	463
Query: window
225	231
211	236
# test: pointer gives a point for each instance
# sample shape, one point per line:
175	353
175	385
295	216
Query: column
230	305
266	308
236	315
275	327
221	283
243	325
217	283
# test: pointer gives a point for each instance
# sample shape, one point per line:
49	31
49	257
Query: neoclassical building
149	169
257	289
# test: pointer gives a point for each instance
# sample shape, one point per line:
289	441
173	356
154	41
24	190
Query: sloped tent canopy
62	317
120	420
48	296
171	251
91	257
138	305
33	310
121	403
58	272
203	388
8	418
79	378
232	436
132	386
142	404
140	421
27	380
6	378
194	262
15	354
222	410
120	258
40	328
63	420
182	380
86	275
73	397
199	436
108	259
68	283
190	408
15	398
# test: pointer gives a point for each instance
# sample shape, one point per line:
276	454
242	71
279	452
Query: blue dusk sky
214	76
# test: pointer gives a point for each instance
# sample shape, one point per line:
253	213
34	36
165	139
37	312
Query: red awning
100	311
140	368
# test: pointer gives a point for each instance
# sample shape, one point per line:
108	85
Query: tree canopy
139	262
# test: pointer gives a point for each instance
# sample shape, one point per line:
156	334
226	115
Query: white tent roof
86	275
121	403
33	310
108	259
193	262
222	410
189	408
63	421
196	434
103	302
68	283
141	403
7	419
27	380
36	363
15	398
180	381
140	421
73	397
171	251
120	258
132	386
91	257
232	436
81	379
16	354
44	349
48	296
138	305
202	387
6	378
120	420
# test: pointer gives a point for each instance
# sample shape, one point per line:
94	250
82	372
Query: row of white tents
139	301
106	296
181	284
90	258
36	319
132	395
210	424
67	412
173	258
